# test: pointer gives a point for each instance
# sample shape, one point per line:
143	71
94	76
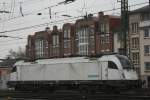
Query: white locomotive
75	73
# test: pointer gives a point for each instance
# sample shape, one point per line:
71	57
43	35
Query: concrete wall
134	18
144	58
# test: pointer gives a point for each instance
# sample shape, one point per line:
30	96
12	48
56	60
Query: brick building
88	36
30	47
68	38
85	30
107	26
55	43
42	44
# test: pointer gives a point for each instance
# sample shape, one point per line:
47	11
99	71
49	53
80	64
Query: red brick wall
30	48
56	52
96	46
68	51
43	35
112	23
91	23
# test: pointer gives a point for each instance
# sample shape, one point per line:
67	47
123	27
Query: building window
46	47
135	58
39	47
103	27
145	16
30	43
134	27
147	50
147	65
146	33
55	41
67	37
105	38
83	42
92	41
135	43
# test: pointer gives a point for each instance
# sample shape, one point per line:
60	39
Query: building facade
134	37
85	30
88	36
68	38
56	43
107	27
41	44
140	41
145	45
30	47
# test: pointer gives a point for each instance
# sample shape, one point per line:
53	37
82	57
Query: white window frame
83	42
135	43
147	68
39	47
147	53
67	37
55	41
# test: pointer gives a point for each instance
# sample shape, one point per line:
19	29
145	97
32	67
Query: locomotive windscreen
125	62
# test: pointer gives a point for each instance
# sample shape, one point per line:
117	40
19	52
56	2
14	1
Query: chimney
47	29
100	14
54	28
90	15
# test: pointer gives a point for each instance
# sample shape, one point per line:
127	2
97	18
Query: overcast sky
31	9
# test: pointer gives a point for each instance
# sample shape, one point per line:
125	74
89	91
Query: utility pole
124	26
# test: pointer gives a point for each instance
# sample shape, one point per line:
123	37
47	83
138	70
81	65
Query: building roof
142	10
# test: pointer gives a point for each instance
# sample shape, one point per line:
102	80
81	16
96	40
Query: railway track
73	95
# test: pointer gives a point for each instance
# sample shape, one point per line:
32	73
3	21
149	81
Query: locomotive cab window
112	65
14	69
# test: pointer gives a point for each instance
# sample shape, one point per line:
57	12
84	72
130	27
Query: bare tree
20	54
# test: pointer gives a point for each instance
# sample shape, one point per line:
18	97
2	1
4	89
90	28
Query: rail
74	95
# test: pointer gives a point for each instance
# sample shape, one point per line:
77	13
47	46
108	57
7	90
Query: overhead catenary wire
2	43
64	15
39	25
55	5
46	9
7	36
44	24
18	3
72	19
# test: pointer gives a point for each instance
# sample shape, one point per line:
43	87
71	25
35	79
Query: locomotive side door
113	71
104	70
